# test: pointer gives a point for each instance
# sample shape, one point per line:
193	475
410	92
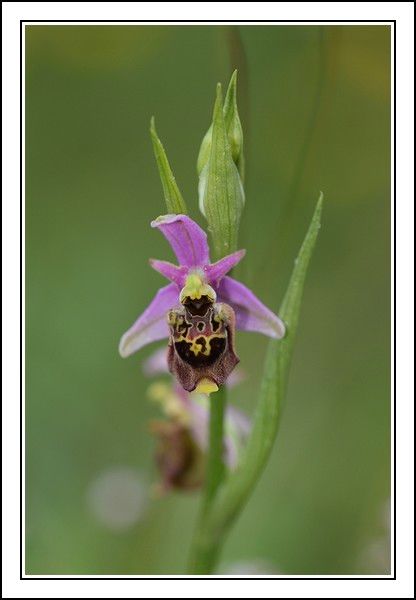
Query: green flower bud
233	128
221	194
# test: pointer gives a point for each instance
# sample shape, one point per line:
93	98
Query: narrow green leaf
173	198
277	365
221	190
235	492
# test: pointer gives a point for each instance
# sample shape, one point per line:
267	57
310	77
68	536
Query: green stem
204	553
205	550
215	463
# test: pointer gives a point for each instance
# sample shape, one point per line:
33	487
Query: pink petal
171	272
251	314
152	324
187	239
236	377
157	362
216	271
237	429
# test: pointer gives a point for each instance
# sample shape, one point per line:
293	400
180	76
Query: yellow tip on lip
206	386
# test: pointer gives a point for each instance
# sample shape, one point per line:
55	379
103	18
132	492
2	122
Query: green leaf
267	416
173	198
234	131
235	492
221	190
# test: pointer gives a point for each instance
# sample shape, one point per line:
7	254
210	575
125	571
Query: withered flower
182	436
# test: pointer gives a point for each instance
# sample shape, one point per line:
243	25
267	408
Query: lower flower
180	462
182	437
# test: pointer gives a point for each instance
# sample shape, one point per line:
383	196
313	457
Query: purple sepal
187	239
250	313
152	324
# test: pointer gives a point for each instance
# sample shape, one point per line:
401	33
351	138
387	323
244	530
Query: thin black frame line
299	22
191	577
21	303
394	462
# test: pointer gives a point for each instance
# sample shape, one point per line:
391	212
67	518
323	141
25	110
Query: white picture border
348	12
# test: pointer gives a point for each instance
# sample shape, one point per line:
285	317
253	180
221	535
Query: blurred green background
315	106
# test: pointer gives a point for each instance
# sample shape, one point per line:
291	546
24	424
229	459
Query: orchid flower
198	310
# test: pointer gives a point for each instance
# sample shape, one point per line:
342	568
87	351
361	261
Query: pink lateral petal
217	270
170	271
